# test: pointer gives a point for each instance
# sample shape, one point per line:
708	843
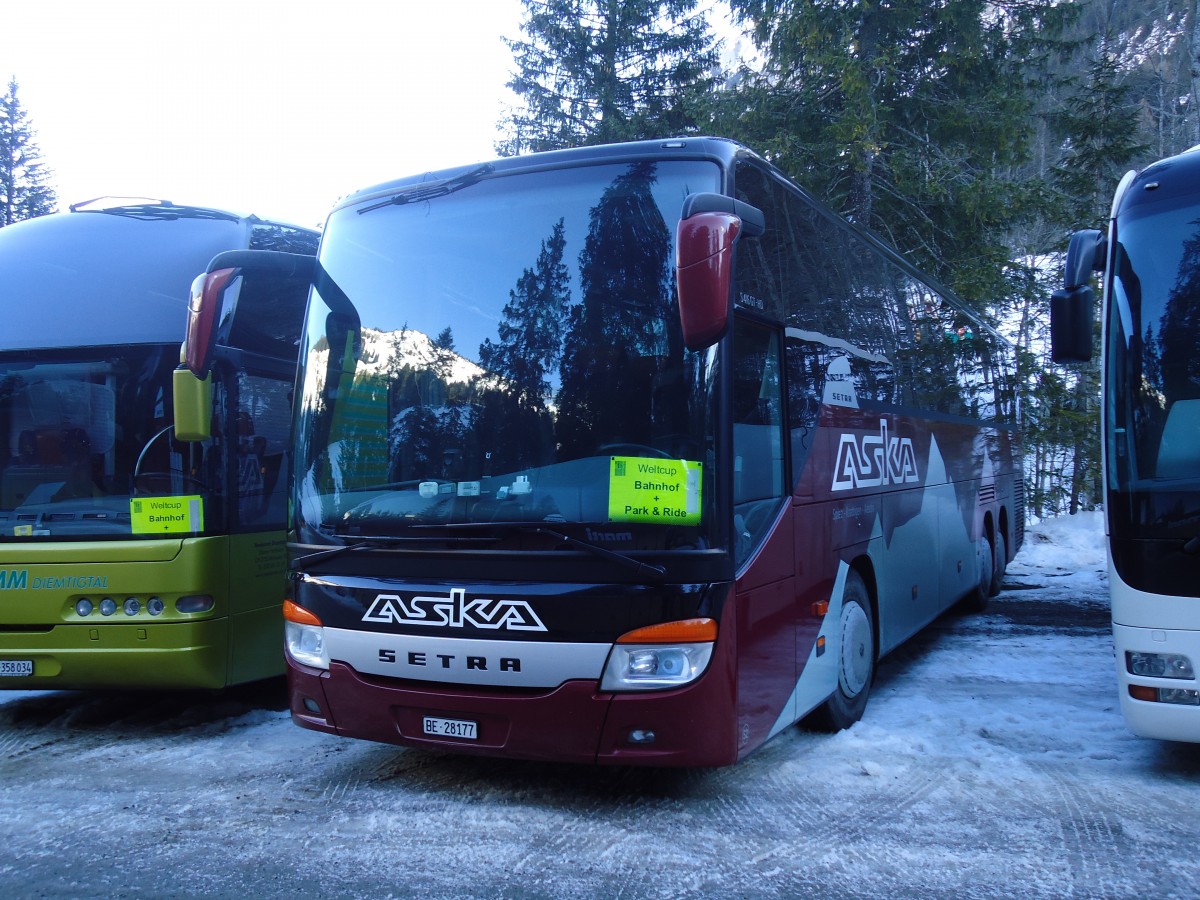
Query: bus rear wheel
856	660
1001	563
977	600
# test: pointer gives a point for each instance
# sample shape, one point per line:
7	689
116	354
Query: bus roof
720	149
119	275
1163	180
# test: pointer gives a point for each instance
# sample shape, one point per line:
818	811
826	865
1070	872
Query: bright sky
258	106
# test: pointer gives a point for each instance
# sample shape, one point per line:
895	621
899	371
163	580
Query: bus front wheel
856	660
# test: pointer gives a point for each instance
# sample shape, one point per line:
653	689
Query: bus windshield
509	352
85	433
1153	370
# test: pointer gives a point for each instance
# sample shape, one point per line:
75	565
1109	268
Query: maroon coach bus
632	454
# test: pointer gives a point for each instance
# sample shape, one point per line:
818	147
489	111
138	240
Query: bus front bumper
146	655
574	722
1154	718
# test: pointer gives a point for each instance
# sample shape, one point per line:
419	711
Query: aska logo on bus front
874	461
455	611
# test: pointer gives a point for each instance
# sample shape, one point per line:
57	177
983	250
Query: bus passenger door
259	440
763	535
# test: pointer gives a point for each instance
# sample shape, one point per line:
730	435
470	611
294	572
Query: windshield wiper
432	189
158	210
644	570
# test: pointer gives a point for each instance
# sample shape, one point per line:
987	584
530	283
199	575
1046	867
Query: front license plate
456	728
16	667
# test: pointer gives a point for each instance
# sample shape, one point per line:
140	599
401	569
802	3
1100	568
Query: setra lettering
450	661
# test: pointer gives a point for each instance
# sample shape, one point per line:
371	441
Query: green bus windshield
87	451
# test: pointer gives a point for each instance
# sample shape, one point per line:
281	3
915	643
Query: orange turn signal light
1141	692
298	614
685	631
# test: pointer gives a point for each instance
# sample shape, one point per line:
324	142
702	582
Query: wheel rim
856	649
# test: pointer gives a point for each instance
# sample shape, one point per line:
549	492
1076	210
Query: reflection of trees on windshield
617	338
515	429
559	376
1179	334
427	405
1159	362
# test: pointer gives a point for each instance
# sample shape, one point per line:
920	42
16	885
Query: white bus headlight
306	644
1159	665
634	668
304	636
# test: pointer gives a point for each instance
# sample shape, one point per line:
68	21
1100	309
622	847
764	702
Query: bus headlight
660	656
304	636
654	668
306	644
1159	665
198	603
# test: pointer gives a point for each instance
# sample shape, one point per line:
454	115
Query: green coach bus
133	555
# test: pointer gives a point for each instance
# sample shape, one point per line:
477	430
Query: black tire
1000	563
977	600
856	661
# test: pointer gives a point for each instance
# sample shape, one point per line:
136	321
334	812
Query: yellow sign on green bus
648	489
167	515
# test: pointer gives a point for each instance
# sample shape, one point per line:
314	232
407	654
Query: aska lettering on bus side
874	461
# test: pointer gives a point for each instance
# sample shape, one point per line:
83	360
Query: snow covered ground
992	762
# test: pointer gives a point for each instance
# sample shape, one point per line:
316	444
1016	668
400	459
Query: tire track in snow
1091	840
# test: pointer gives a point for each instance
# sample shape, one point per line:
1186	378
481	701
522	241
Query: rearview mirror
214	296
192	402
1071	308
709	226
1071	324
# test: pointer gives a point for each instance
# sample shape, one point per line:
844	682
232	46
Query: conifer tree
1101	127
25	191
905	116
598	71
1100	123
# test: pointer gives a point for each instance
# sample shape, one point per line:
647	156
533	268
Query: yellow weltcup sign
167	515
648	489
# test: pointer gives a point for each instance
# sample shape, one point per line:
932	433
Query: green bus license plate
456	728
16	667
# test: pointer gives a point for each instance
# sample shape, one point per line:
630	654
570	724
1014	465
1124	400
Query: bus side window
758	476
